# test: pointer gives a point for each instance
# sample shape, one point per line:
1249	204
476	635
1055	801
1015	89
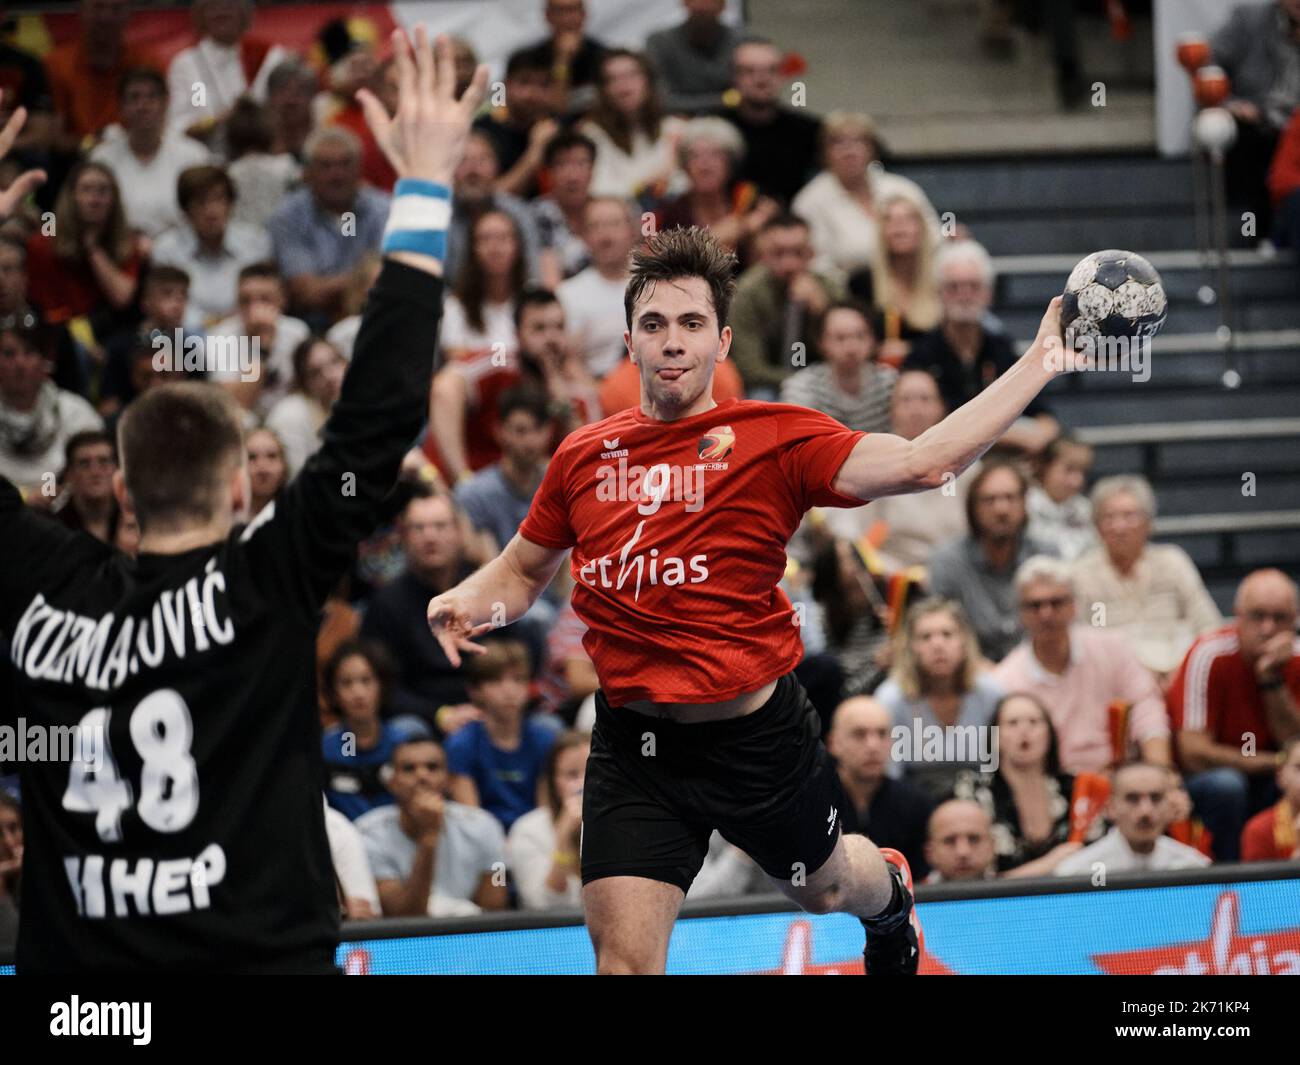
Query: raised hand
25	182
426	136
454	628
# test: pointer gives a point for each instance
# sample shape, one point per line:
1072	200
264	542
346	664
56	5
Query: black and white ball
1112	294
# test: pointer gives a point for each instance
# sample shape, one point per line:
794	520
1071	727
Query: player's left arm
881	464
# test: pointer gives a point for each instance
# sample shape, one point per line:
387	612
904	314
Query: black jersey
199	841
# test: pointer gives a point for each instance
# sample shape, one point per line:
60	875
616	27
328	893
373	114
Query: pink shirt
1102	669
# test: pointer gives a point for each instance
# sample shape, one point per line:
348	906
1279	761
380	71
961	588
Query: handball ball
1112	294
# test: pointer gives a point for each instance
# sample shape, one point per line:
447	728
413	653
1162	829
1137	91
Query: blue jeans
1224	799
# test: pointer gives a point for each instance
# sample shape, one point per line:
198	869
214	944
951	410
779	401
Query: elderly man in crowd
1139	811
959	843
977	570
1078	672
963	353
322	230
1150	593
1234	702
911	526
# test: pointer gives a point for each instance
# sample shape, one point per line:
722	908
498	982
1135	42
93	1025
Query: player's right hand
426	136
453	627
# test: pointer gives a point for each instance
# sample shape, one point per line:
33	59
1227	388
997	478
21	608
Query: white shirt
218	70
530	847
457	334
343	334
149	188
261	181
843	234
594	316
297	420
348	851
1116	856
619	173
75	415
278	363
214	276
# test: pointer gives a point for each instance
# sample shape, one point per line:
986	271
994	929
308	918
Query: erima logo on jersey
667	570
612	450
648	487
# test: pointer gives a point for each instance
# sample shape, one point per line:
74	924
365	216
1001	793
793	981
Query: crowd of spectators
1008	597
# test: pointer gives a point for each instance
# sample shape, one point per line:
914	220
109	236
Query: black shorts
656	789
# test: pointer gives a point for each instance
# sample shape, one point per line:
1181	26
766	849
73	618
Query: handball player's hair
178	443
680	253
500	658
547	794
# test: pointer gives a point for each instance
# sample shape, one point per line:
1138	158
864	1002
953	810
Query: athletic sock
897	913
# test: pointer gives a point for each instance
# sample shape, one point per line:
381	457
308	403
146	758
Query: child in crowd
1059	511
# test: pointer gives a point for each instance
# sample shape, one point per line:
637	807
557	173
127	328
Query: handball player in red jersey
678	513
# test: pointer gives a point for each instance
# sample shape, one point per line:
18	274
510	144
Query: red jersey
679	532
1214	691
1270	835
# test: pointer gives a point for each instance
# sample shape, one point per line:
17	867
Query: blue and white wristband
419	218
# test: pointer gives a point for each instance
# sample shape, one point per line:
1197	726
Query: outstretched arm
883	465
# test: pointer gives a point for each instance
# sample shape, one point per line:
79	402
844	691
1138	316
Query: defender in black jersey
197	839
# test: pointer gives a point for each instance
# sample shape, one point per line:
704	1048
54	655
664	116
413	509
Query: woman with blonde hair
841	204
901	283
938	696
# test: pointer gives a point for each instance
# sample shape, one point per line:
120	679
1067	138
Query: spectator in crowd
268	471
572	57
908	528
343	333
963	353
693	58
260	178
1273	835
207	245
542	845
568	683
1079	672
164	298
727	872
145	155
376	170
780	142
289	93
569	158
840	202
593	298
936	684
709	150
1258	47
978	569
776	305
522	129
474	193
1059	511
1284	185
496	760
227	61
1139	811
88	503
37	418
11	868
479	315
1150	593
853	610
324	229
497	498
357	888
17	309
355	682
959	843
318	368
90	264
1233	703
261	298
466	392
1028	798
433	545
849	385
892	812
899	282
432	856
636	145
84	72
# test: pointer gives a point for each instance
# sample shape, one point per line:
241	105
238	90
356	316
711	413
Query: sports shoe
895	950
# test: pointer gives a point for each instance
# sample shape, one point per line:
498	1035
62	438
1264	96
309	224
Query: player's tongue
671	373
